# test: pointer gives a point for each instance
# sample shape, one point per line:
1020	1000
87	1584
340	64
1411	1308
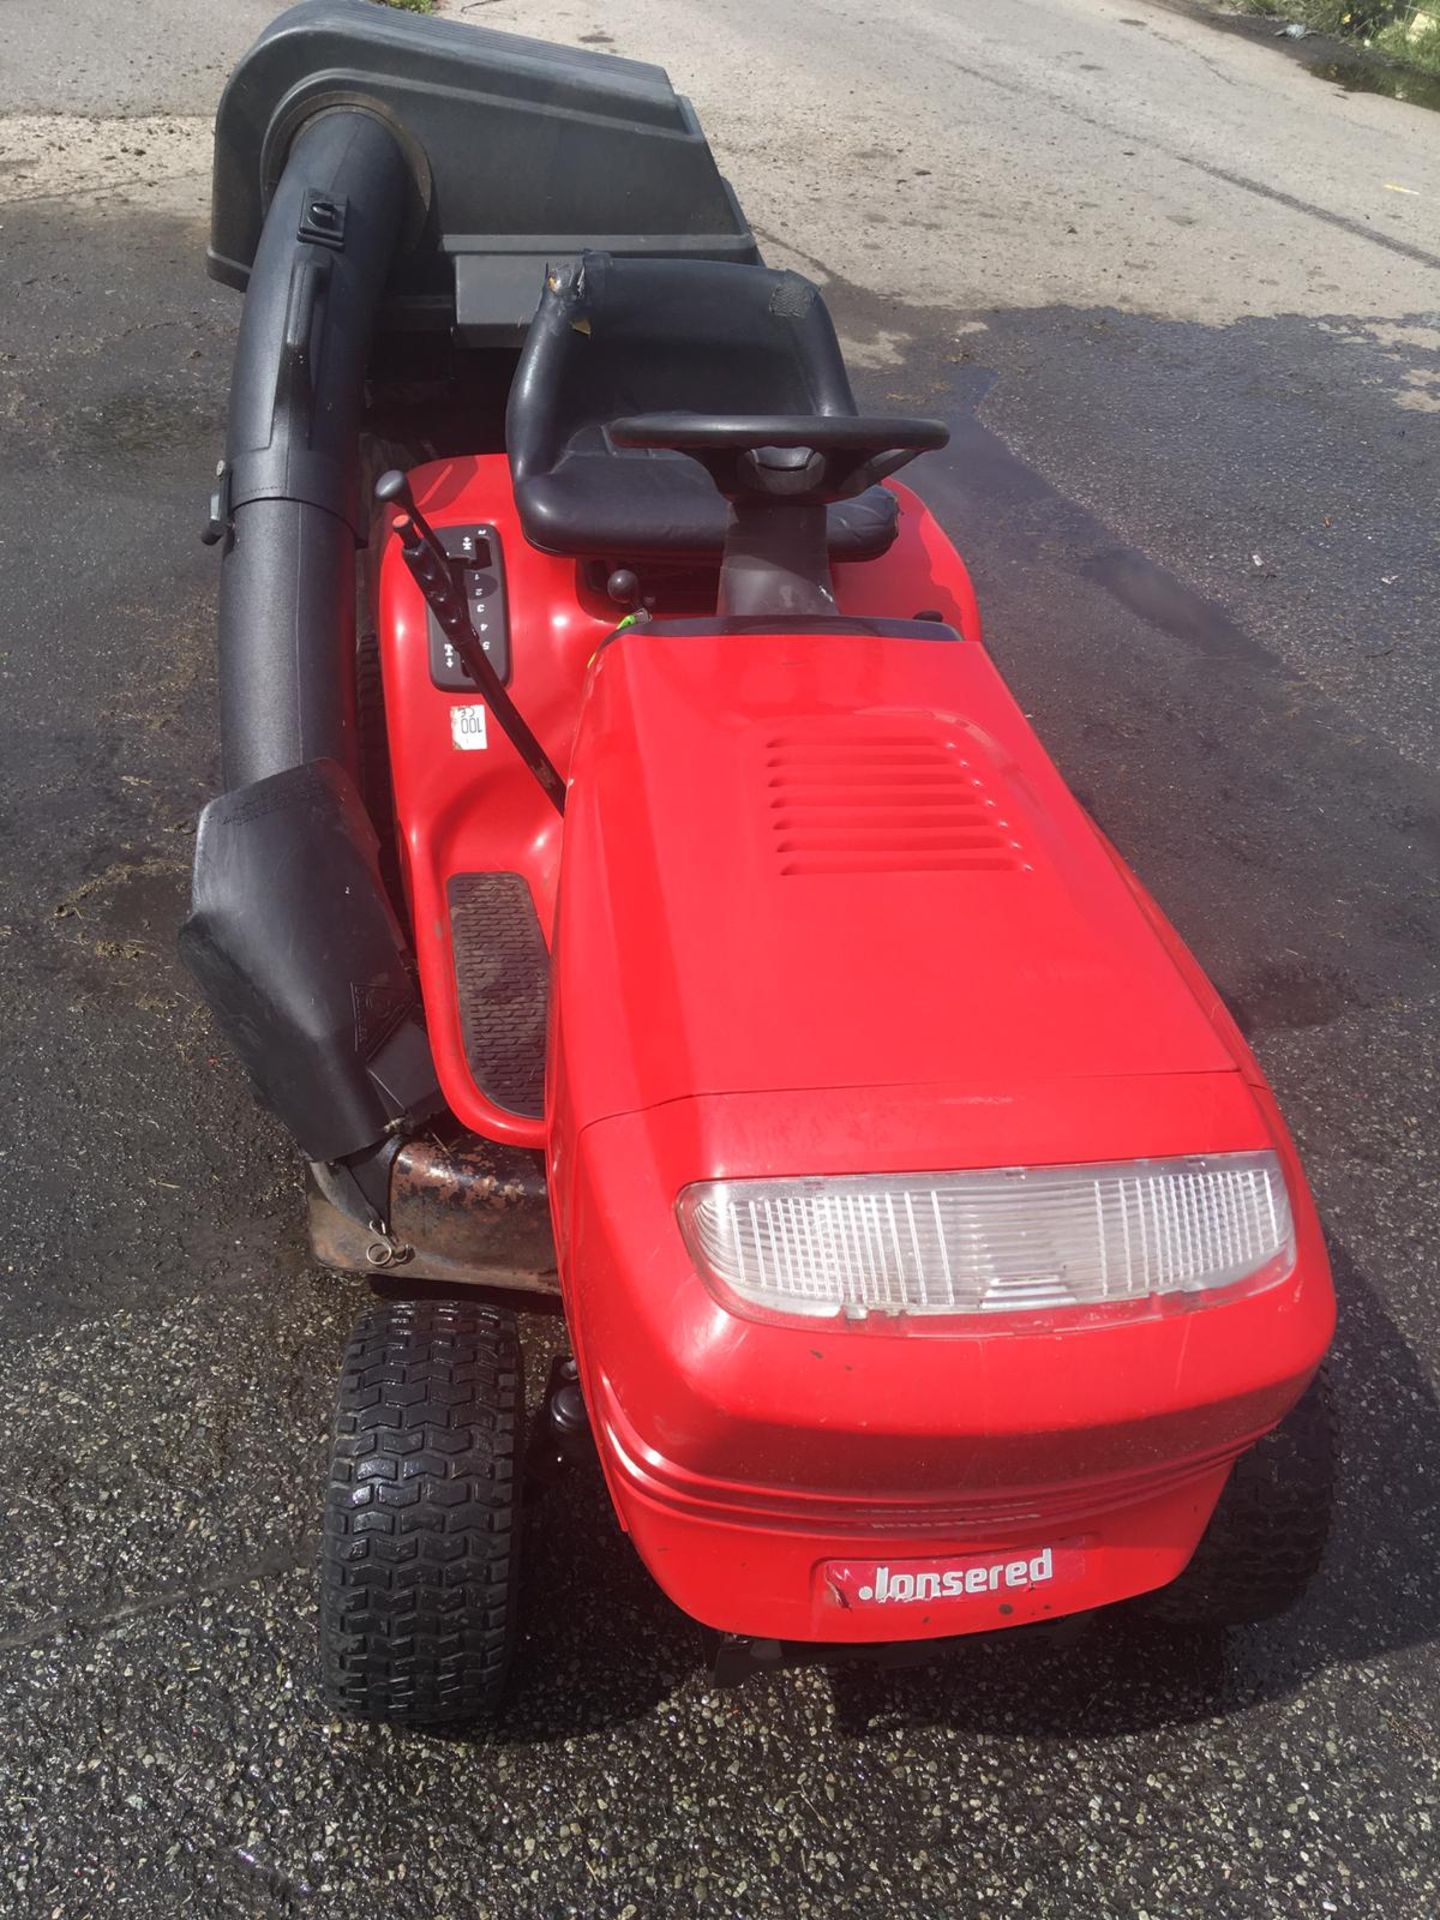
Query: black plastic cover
303	963
290	512
520	152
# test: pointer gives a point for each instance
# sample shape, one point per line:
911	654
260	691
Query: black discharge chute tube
291	935
289	507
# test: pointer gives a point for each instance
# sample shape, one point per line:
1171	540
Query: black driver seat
618	337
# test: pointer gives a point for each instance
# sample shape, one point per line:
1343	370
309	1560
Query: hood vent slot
859	797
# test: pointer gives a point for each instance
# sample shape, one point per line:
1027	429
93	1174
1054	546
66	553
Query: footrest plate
502	978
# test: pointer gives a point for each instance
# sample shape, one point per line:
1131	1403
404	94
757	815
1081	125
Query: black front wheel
418	1584
1267	1535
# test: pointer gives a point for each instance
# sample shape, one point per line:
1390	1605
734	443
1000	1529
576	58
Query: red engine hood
833	861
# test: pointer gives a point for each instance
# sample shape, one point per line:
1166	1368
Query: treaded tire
418	1582
1267	1536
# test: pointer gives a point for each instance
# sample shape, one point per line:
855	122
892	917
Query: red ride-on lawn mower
634	883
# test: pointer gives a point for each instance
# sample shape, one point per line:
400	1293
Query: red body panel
854	864
825	906
806	1444
478	812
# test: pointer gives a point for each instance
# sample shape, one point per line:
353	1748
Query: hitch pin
385	1250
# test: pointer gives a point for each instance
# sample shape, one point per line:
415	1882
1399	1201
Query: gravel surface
1256	734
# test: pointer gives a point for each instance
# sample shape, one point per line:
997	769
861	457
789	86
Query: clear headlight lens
1011	1240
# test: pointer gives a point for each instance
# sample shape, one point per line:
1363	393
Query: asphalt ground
1256	733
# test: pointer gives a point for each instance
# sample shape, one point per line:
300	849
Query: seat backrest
622	336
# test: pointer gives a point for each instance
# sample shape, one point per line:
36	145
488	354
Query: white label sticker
467	728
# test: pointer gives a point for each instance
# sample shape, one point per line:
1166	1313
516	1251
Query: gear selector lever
438	577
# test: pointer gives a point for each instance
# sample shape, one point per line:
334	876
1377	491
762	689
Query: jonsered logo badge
1001	1577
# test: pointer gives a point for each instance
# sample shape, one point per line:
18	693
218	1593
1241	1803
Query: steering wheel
808	459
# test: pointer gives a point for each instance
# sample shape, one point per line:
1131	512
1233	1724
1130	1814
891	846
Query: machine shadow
600	1644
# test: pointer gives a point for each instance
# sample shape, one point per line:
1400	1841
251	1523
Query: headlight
1012	1240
